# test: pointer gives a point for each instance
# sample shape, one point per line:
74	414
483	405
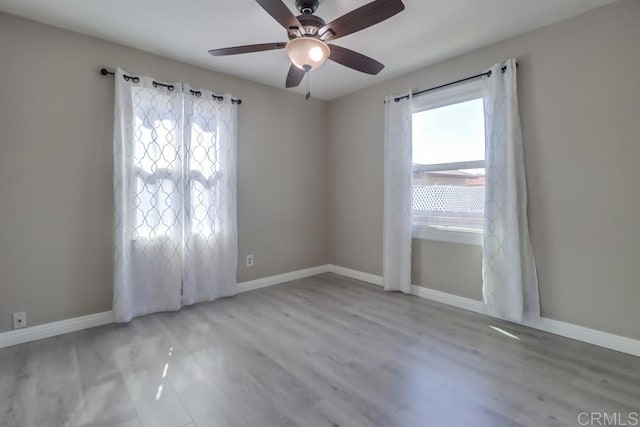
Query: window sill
451	236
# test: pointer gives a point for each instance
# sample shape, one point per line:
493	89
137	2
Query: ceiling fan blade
354	60
280	12
361	18
247	49
295	76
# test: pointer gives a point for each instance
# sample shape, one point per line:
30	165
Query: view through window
449	167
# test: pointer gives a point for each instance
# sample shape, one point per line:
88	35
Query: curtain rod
466	79
135	79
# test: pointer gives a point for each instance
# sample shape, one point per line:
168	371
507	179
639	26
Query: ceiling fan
308	36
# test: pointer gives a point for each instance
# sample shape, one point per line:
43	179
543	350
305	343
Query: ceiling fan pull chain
307	70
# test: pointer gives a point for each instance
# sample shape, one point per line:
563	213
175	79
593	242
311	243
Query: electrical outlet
249	260
20	320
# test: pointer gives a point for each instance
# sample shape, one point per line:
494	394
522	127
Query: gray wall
56	203
580	109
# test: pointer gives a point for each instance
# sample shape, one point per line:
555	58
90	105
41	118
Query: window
449	165
177	166
157	155
205	171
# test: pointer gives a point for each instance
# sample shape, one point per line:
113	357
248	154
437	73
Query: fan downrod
307	7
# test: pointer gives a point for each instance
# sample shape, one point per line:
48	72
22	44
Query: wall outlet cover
249	260
20	320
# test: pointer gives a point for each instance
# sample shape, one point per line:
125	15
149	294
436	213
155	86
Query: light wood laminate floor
322	351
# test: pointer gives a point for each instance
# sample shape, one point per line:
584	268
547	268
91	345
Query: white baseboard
281	278
580	333
52	329
591	336
557	327
449	299
38	332
355	274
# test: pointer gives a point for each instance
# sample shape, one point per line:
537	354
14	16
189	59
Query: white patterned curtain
175	196
509	273
398	164
211	239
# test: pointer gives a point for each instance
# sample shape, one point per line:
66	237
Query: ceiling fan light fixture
308	52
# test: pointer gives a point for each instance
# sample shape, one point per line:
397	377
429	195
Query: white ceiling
426	32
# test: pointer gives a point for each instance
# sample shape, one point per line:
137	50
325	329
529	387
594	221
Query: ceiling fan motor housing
311	24
307	7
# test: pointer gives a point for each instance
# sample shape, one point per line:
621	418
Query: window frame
441	98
